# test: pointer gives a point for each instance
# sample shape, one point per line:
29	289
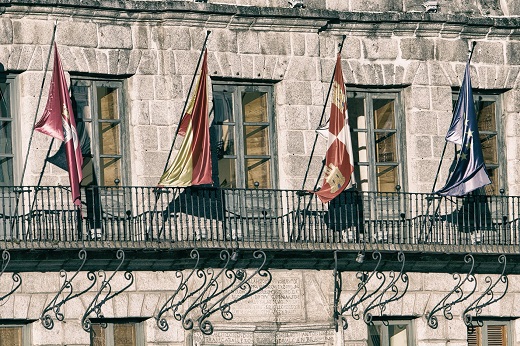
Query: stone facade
154	45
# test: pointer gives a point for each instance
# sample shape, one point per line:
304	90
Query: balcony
171	218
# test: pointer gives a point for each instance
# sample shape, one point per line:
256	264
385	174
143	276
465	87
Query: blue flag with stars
470	171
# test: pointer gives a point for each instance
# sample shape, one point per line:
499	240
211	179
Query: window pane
374	335
386	178
398	335
258	170
257	140
6	171
225	140
384	117
386	149
107	103
489	148
494	187
110	170
80	102
223	106
356	113
254	107
97	335
124	334
109	144
226	173
11	336
486	116
6	146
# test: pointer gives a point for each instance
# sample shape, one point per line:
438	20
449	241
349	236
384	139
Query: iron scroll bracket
17	279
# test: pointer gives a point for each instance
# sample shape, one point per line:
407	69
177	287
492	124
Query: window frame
236	88
93	128
480	95
484	322
386	321
367	96
16	146
23	324
138	324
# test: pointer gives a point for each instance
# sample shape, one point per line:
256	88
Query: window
491	333
123	333
390	333
14	333
7	127
375	120
488	109
243	128
98	105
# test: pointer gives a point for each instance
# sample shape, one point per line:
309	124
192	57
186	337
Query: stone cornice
270	18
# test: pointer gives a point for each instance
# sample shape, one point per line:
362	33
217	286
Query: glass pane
386	149
6	171
356	113
258	171
6	141
80	102
386	178
257	140
225	140
384	117
223	106
489	148
486	116
109	144
227	173
97	335
110	170
124	334
107	103
5	98
254	107
493	188
11	336
398	335
374	335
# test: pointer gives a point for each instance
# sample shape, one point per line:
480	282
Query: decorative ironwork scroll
106	291
454	297
391	291
489	294
214	291
361	295
56	304
17	279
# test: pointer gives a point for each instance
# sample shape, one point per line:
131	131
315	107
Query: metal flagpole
432	198
157	194
340	49
53	38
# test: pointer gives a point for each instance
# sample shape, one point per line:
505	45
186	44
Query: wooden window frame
368	95
15	155
24	325
109	330
94	121
236	89
385	323
490	321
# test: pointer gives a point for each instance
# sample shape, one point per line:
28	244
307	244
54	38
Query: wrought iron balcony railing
146	217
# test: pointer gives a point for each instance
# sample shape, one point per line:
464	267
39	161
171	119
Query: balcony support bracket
17	279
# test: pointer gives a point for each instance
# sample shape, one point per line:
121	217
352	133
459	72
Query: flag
192	165
339	161
59	158
58	121
469	172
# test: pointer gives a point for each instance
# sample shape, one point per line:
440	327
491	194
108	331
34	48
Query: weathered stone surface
452	50
417	48
115	36
375	48
28	31
78	34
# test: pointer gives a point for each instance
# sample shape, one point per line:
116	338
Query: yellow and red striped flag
192	165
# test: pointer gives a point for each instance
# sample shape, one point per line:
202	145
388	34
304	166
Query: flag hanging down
58	121
339	161
470	171
192	165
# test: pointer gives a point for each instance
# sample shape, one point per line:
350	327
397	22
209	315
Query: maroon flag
339	159
58	121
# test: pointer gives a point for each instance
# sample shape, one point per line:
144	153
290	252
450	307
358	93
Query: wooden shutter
475	336
124	334
11	336
497	335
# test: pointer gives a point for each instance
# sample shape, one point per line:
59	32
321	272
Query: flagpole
340	47
473	44
187	100
53	38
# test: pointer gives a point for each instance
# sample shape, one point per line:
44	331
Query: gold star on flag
463	156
